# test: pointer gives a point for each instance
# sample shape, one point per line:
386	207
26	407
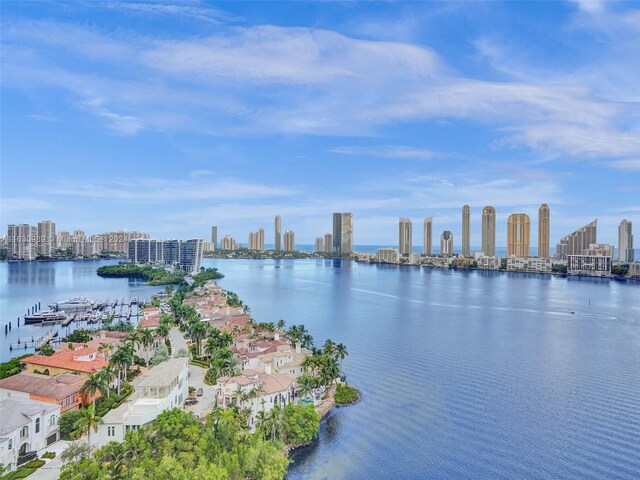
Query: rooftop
15	414
68	360
43	385
163	374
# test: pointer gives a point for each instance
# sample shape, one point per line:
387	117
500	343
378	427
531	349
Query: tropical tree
281	324
341	353
276	423
108	373
163	329
305	386
88	420
95	382
47	350
197	332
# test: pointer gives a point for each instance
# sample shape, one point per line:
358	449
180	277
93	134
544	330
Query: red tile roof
67	359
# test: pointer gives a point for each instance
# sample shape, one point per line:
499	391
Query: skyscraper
446	243
214	237
577	242
337	232
342	232
405	236
466	228
544	219
428	234
346	243
277	244
489	231
319	245
625	241
46	238
289	241
518	234
328	243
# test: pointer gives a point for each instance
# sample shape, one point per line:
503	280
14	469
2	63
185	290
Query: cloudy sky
169	118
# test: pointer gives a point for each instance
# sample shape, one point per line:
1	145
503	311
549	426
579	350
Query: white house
26	426
163	387
264	390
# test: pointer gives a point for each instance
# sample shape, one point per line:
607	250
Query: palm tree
109	374
281	324
146	338
163	329
276	423
88	420
262	423
341	352
306	385
95	382
329	347
198	332
47	350
105	349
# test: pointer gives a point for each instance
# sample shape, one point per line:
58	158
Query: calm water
464	374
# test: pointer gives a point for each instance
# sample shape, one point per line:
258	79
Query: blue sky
169	118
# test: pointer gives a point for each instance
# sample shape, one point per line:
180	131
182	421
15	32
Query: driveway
51	469
177	341
206	401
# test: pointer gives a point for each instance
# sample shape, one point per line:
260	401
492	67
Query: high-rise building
489	231
256	240
337	232
319	245
346	244
405	236
289	241
228	243
342	232
518	235
428	234
21	242
446	243
544	222
577	242
387	255
625	241
214	237
63	240
185	254
46	238
328	243
191	255
277	244
466	230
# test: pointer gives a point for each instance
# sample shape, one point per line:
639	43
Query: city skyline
512	140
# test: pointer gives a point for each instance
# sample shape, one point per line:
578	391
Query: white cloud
13	205
385	151
629	164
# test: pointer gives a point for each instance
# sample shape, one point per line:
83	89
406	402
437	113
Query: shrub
49	455
302	423
34	463
346	394
68	420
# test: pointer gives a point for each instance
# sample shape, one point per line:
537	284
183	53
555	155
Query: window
111	431
24	432
37	425
68	400
10	443
52	420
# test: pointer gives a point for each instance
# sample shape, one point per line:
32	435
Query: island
157	275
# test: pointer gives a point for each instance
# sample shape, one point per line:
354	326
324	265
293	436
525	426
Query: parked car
199	392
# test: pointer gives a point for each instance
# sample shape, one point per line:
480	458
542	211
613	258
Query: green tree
88	421
301	423
95	382
47	350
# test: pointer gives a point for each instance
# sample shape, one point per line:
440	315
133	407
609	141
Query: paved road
206	401
177	341
51	470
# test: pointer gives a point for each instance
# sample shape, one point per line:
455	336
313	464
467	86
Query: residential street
206	401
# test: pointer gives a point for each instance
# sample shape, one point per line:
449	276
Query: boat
73	304
48	316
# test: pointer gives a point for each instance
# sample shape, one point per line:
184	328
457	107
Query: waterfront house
81	361
62	390
163	387
26	426
264	390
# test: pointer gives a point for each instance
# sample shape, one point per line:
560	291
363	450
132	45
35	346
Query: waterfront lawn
346	395
153	275
199	279
12	367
